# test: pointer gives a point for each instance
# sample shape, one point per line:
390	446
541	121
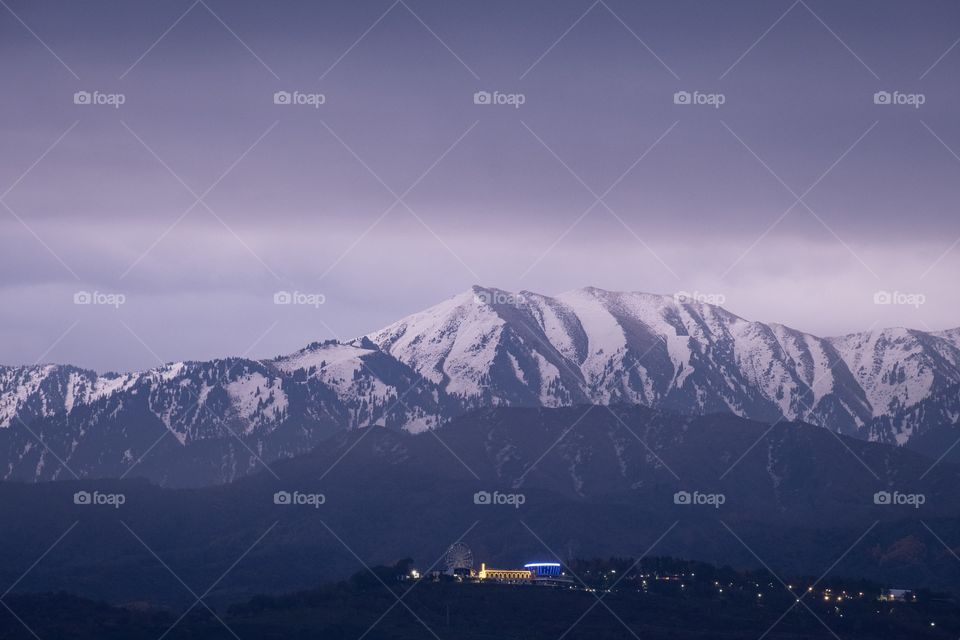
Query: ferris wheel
459	557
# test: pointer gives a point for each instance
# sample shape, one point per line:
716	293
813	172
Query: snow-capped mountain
590	345
203	422
28	393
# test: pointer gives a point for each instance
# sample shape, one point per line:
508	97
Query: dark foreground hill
658	598
515	485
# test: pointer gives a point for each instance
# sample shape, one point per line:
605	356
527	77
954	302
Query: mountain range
198	423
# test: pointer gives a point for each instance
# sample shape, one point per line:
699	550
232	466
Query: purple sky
298	198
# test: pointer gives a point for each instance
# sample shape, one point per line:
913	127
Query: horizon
344	340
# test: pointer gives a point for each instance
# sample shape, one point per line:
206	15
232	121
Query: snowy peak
31	392
899	367
448	341
320	355
491	346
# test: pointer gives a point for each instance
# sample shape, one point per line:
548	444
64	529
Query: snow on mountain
474	345
482	348
897	368
452	343
31	392
652	349
234	413
606	340
321	355
952	336
370	386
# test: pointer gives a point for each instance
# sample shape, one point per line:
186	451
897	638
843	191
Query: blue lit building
544	569
548	574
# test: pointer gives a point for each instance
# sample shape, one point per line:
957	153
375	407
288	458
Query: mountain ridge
644	348
485	347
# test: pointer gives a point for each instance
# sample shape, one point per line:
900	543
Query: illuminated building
544	569
504	575
548	574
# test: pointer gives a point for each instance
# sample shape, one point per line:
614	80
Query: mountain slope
197	423
495	347
191	423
